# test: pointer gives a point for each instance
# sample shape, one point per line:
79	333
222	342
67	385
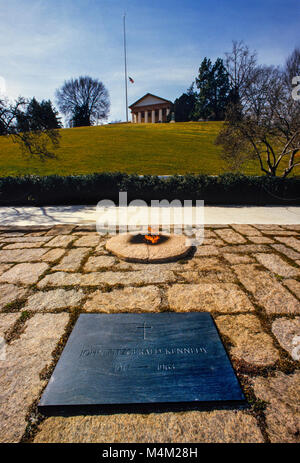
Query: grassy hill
163	149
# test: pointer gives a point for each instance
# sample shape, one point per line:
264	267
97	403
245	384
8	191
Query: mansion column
153	116
146	117
132	118
168	112
160	115
139	117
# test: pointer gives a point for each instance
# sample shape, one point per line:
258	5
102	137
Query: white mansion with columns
150	108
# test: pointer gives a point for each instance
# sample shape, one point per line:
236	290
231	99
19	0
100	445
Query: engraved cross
144	327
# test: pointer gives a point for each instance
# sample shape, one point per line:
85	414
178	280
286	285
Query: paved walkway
246	276
51	215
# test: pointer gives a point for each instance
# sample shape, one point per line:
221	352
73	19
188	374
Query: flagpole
125	58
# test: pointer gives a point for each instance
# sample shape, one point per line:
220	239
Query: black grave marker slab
121	361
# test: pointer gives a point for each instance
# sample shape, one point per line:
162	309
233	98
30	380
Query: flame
152	238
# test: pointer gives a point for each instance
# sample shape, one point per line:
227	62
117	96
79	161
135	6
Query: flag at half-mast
131	80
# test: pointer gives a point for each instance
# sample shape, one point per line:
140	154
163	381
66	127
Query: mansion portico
150	108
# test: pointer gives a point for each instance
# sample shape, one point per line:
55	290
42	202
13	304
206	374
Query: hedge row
89	189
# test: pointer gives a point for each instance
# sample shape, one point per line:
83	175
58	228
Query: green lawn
186	147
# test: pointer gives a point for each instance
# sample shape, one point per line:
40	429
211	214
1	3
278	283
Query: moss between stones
257	406
15	306
19	326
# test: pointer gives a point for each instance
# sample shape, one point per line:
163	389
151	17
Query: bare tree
269	129
32	142
292	65
83	100
241	66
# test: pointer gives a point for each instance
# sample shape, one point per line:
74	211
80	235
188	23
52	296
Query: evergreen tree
38	116
184	105
30	124
214	88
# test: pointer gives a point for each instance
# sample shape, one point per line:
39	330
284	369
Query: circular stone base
127	247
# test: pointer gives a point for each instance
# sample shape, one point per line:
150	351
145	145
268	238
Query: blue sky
45	42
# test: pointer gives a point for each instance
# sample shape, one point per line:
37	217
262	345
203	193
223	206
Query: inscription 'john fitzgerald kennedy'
118	359
94	350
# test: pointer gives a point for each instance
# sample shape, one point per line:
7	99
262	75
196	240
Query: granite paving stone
267	291
11	234
83	233
72	260
294	286
289	241
7	320
61	241
10	293
24	273
54	299
286	251
100	249
60	279
246	230
277	265
95	263
130	299
282	395
295	227
186	427
261	239
23	245
179	265
25	239
238	259
231	236
212	241
127	278
250	343
280	233
208	250
4	267
219	297
53	254
107	278
287	332
21	255
267	227
37	233
208	272
205	263
209	234
90	240
20	383
245	248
